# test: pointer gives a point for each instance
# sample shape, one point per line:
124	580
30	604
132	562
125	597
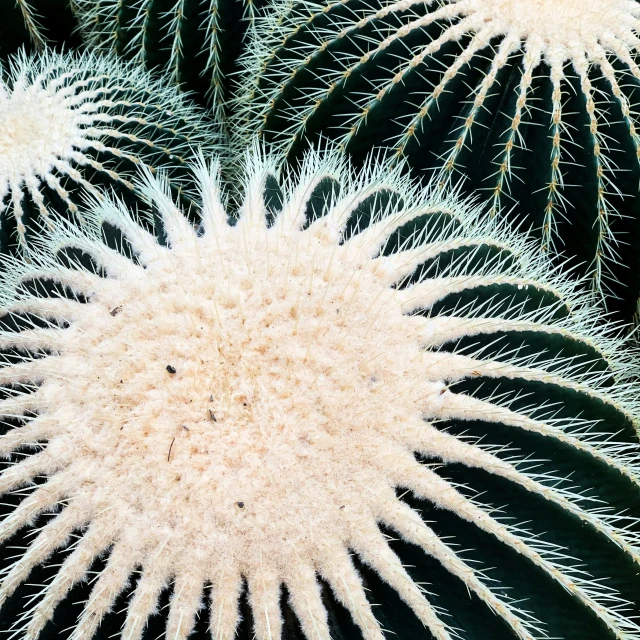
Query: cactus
34	23
532	102
70	124
196	42
251	398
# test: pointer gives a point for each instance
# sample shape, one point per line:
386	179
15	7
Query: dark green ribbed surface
195	41
305	78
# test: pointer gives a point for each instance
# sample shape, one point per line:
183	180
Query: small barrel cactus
196	42
71	124
347	359
532	102
34	23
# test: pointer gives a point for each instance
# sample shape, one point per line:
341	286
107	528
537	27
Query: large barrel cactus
195	41
352	393
71	124
531	102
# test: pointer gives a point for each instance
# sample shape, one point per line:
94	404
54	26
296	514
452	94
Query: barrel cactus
237	405
195	42
70	124
531	102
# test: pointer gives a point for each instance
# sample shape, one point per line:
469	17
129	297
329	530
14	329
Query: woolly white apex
242	403
71	123
565	27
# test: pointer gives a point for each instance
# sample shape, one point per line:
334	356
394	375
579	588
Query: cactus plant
195	42
34	23
72	123
256	395
532	102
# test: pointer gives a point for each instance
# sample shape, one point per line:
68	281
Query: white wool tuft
558	27
70	124
242	402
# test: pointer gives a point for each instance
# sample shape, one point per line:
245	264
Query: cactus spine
34	24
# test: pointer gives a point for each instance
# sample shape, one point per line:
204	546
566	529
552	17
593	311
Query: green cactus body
531	102
71	124
333	393
195	41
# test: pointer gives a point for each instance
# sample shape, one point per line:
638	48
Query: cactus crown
531	101
247	400
71	124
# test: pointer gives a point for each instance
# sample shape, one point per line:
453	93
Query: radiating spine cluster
349	328
531	102
71	125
